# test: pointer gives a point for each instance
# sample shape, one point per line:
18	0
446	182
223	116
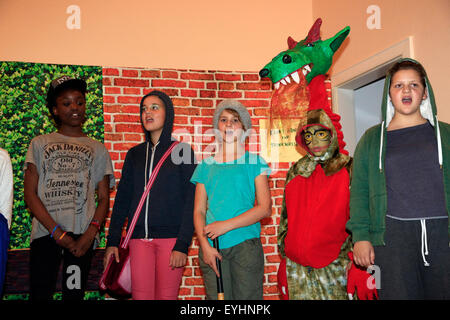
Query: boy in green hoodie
399	203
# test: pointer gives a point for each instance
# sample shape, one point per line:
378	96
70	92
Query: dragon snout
264	73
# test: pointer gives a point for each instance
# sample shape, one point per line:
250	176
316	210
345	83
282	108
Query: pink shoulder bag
116	278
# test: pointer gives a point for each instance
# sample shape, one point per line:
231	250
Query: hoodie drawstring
424	242
381	146
146	203
151	166
439	142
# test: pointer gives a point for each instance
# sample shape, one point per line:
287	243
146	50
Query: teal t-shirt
230	187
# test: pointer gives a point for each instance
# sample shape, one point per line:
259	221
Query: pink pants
151	276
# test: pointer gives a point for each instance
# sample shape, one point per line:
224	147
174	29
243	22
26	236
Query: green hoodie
368	197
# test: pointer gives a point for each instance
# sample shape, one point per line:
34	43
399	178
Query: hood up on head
166	135
428	110
335	158
318	117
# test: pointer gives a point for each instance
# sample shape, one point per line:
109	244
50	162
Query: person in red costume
312	237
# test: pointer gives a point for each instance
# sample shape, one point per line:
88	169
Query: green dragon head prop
310	57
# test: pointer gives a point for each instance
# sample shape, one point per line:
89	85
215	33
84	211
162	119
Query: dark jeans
403	274
242	272
45	261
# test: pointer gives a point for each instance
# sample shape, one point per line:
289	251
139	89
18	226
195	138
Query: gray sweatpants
402	261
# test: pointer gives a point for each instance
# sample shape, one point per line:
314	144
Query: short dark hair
57	87
408	65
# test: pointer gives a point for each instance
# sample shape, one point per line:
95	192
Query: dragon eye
310	44
287	59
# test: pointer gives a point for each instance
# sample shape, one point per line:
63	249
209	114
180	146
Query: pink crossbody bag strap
155	171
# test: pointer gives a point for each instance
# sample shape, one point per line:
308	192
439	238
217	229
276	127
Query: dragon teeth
287	79
295	77
306	69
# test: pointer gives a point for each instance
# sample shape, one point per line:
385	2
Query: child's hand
67	242
110	253
209	257
177	259
358	282
82	245
363	254
216	229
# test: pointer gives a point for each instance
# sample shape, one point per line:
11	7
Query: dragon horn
291	43
313	35
314	32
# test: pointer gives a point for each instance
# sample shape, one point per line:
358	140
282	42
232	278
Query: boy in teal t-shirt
230	187
227	185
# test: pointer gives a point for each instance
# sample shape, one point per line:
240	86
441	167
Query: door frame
344	84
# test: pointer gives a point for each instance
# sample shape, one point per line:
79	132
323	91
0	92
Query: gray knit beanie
236	106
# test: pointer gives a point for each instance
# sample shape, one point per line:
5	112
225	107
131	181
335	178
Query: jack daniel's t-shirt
69	169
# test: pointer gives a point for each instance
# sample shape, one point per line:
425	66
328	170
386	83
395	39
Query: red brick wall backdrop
195	94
